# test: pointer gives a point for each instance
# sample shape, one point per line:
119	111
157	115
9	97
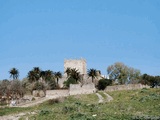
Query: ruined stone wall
125	87
38	93
79	64
59	93
76	89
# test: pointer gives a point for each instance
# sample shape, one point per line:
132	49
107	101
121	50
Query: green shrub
103	83
150	97
81	116
78	103
33	99
146	117
69	81
53	101
143	90
44	112
67	109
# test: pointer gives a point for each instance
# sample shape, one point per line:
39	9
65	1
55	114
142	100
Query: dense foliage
103	83
69	81
13	89
43	80
152	81
122	73
73	73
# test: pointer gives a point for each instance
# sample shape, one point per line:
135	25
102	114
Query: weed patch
44	112
145	117
150	97
81	116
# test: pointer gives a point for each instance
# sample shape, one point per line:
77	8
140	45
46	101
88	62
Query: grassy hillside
127	105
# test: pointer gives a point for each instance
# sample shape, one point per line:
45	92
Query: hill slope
126	105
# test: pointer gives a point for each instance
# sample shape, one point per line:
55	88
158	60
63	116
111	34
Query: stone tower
79	64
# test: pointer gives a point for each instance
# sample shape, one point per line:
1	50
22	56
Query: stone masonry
126	87
76	89
79	64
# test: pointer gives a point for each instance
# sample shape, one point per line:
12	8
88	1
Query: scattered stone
109	98
94	115
101	99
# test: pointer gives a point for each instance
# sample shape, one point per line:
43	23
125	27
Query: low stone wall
73	90
59	93
38	93
78	89
125	87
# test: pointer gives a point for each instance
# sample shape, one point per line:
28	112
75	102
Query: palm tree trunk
57	81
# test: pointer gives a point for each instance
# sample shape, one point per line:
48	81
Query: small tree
4	87
5	91
27	85
51	85
38	86
16	88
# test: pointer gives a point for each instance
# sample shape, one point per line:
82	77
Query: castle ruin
79	64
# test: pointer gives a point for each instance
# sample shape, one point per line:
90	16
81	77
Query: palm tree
48	75
31	76
75	74
34	74
14	73
68	71
57	75
37	72
92	73
43	75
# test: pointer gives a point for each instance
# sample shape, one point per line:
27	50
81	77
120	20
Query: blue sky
45	32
